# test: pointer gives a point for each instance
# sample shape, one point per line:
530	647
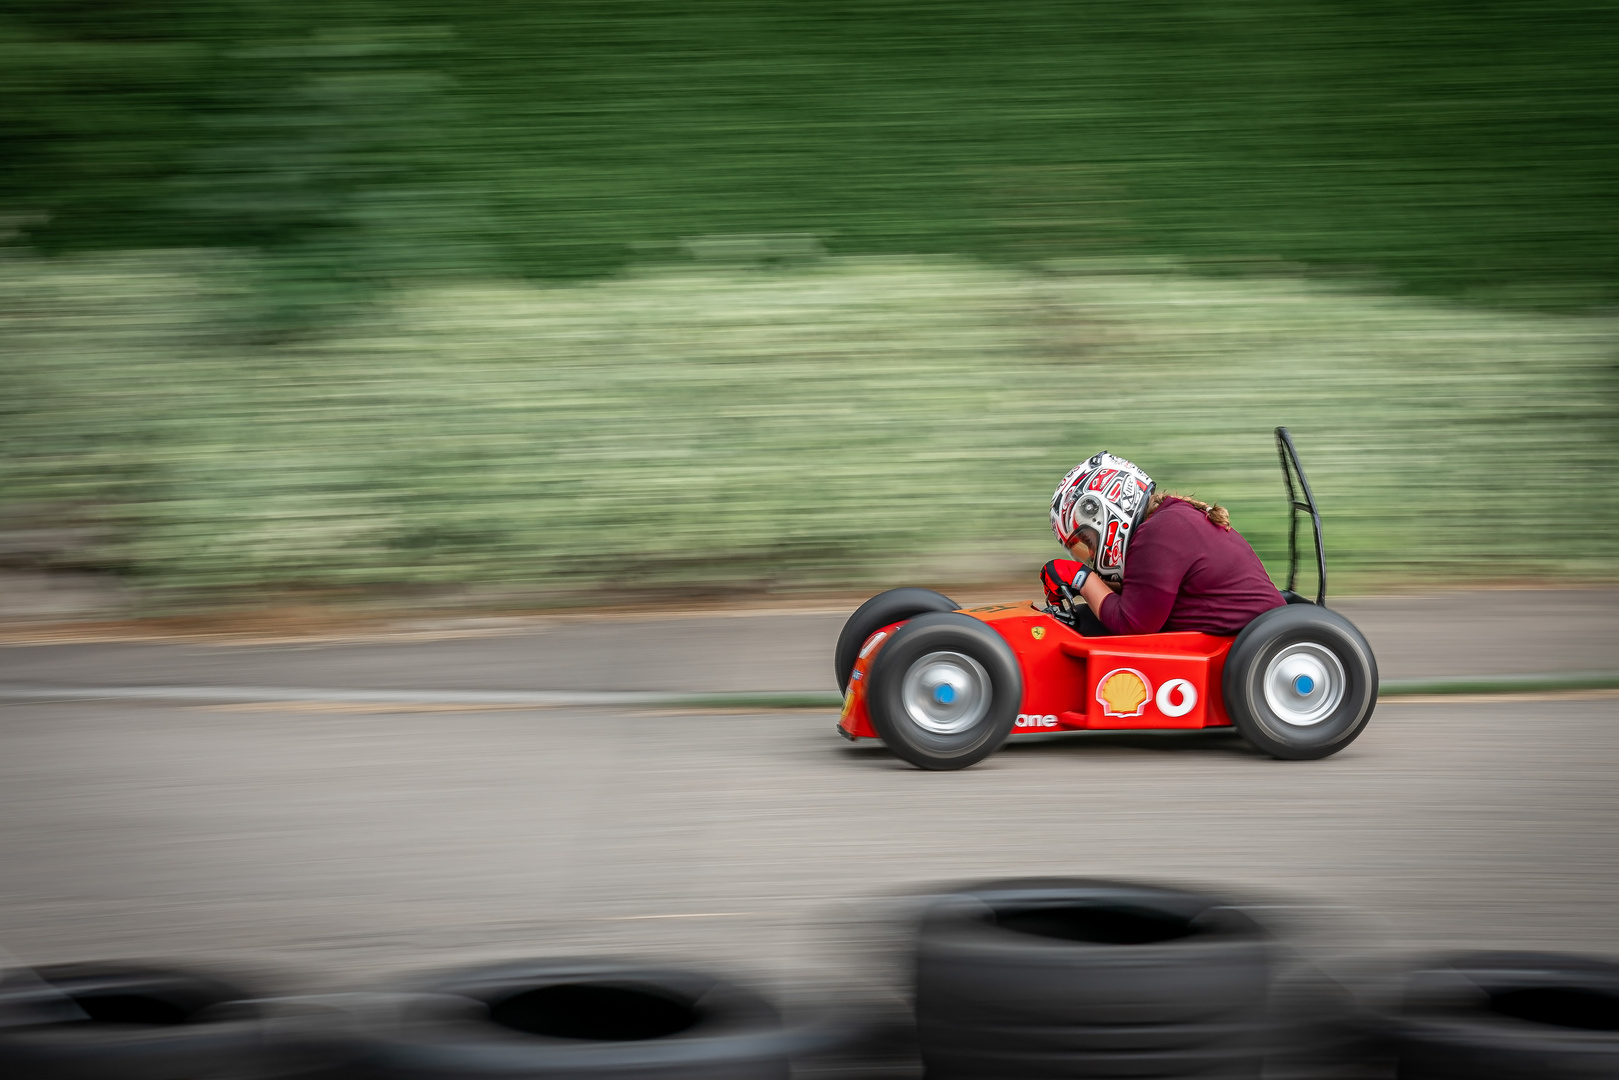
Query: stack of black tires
113	1021
589	1019
1508	1016
1089	979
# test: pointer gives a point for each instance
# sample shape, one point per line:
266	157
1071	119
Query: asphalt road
1455	634
341	846
337	845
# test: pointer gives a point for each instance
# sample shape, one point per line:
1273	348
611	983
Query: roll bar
1291	468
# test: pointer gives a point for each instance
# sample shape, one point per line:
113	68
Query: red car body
1298	683
1165	681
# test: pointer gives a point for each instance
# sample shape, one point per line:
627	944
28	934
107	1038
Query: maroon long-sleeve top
1184	572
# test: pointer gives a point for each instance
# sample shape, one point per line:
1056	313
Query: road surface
1456	634
339	846
326	845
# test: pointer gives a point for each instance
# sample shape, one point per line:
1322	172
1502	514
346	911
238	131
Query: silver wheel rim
1304	684
946	693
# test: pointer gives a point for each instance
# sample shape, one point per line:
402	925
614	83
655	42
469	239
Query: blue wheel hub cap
946	693
1304	683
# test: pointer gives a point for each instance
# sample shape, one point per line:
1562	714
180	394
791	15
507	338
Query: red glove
1060	572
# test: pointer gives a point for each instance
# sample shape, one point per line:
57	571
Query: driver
1188	568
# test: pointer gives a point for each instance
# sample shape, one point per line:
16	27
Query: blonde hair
1213	511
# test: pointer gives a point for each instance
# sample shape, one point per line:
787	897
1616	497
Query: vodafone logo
1177	697
1035	720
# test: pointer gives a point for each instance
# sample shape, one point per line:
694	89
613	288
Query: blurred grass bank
820	423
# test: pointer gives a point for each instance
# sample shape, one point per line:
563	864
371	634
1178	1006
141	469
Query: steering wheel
1067	611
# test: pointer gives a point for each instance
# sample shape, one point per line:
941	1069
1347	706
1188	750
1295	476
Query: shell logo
1123	692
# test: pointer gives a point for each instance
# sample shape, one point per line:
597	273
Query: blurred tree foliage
1462	149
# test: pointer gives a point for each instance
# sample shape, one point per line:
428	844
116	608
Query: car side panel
1126	682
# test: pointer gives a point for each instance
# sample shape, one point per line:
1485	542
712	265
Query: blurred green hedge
838	422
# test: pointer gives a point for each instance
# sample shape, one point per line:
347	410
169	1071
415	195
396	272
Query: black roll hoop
1291	468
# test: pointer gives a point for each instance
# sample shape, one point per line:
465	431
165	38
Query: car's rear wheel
944	691
1300	682
892	606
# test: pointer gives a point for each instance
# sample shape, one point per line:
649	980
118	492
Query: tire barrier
1319	1028
867	1036
1509	1016
1049	978
585	1019
1031	979
126	1022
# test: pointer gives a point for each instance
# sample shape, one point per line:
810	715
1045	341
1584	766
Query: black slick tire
1509	1016
892	606
1076	978
968	728
585	1019
1300	682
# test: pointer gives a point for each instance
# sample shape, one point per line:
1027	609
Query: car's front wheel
944	691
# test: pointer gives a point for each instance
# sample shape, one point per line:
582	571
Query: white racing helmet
1106	494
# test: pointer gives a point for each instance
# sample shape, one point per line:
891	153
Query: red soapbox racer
943	686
